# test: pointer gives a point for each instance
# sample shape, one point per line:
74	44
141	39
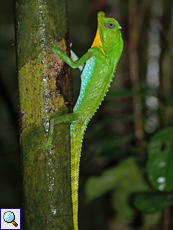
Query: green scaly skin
106	55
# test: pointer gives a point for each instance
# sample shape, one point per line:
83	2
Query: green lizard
100	64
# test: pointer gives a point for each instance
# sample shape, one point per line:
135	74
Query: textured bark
45	90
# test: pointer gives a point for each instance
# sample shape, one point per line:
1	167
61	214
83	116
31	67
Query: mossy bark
45	89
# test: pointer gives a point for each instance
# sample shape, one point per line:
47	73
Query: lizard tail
76	144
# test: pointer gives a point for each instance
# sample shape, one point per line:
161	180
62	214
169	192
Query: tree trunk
45	90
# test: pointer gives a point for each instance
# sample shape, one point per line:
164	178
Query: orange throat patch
97	42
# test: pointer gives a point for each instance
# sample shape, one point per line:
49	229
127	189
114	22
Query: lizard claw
41	146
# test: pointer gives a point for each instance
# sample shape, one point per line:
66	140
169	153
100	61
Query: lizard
97	74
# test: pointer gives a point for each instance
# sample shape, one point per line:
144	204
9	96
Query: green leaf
160	160
126	177
148	202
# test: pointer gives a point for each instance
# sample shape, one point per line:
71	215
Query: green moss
46	181
34	136
37	91
31	89
46	172
34	34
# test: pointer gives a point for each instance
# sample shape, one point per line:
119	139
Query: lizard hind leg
67	118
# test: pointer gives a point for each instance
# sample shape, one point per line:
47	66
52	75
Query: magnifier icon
9	217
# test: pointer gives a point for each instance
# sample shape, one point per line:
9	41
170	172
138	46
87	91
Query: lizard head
109	30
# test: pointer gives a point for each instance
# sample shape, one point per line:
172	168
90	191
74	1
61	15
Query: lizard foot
41	146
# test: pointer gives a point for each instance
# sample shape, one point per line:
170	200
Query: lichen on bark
45	89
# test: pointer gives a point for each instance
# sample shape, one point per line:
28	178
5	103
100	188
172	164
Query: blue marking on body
85	76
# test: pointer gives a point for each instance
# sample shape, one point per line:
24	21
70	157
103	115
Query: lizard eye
111	25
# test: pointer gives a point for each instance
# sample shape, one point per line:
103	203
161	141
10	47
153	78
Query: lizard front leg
77	63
